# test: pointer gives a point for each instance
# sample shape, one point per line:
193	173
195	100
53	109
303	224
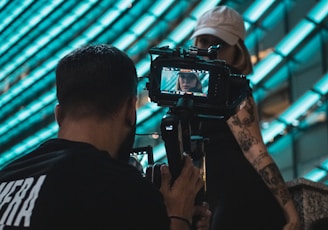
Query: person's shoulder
57	156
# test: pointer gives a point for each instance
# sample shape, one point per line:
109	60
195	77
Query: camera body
221	90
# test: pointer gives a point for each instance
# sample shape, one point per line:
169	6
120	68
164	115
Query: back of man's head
94	80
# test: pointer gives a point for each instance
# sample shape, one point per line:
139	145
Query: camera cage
225	89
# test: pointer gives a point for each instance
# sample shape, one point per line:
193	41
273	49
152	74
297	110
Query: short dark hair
95	80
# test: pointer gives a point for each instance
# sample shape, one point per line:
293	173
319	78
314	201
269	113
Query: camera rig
222	91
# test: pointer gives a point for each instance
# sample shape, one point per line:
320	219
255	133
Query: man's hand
179	197
203	214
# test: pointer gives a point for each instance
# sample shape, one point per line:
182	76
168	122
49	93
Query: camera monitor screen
180	81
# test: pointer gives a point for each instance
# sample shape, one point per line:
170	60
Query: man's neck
101	134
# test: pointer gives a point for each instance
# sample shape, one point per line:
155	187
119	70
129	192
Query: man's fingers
204	216
165	178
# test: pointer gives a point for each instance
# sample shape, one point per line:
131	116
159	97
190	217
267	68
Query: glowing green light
315	174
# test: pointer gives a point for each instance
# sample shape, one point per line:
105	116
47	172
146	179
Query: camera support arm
176	133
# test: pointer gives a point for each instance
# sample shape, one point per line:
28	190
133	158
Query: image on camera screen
180	81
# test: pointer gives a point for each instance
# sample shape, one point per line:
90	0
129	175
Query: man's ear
58	114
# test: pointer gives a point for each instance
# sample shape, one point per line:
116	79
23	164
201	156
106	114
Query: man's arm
245	127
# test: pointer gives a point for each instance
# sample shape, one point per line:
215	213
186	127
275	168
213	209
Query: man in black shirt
81	180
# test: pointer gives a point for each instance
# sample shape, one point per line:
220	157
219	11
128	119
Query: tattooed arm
245	127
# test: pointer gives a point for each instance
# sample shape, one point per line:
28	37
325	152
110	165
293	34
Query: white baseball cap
222	22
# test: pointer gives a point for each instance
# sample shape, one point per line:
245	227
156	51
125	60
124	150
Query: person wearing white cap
224	26
244	185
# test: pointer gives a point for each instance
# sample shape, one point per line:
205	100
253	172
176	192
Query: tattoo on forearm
272	177
235	121
250	109
247	121
246	140
258	160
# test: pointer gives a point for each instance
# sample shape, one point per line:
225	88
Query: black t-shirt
71	185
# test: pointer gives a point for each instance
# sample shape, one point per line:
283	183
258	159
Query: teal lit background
287	40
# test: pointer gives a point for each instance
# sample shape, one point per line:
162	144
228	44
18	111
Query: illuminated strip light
46	111
324	165
14	13
319	13
129	37
112	14
280	76
19	21
160	6
318	174
300	107
21	149
27	112
255	11
16	102
268	22
32	35
27	26
54	61
303	29
123	42
283	72
294	38
42	41
27	82
2	3
34	105
315	175
101	24
142	24
51	63
184	28
143	67
296	110
202	7
91	31
264	67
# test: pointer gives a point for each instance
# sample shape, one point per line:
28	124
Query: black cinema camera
222	90
214	92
